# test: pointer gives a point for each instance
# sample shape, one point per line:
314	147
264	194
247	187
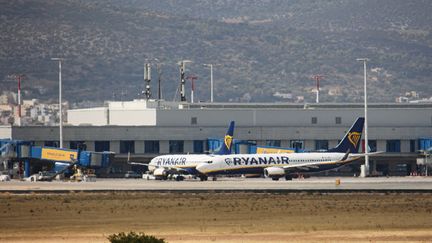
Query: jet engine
274	172
160	173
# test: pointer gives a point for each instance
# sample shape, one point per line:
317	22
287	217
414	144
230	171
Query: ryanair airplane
177	165
285	165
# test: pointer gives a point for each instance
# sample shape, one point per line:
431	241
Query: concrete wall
94	116
259	125
141	117
5	132
138	113
379	117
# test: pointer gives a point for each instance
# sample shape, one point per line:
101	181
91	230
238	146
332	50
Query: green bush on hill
133	237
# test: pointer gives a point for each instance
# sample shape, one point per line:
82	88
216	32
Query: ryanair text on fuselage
171	161
257	161
268	160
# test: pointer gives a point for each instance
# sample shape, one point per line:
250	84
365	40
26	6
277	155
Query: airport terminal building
145	129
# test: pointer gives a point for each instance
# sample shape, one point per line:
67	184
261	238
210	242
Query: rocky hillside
264	47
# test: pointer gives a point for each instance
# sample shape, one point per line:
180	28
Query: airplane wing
135	163
174	170
364	154
138	163
306	167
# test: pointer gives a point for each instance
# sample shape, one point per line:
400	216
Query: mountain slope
265	47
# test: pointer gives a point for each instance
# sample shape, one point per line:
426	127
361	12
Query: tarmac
318	184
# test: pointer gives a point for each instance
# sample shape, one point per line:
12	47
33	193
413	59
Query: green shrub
133	237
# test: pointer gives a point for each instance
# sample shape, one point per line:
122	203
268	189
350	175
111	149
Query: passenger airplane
185	164
285	165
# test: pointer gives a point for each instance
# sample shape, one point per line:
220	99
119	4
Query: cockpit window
209	162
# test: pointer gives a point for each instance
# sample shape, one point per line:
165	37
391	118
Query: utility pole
317	78
182	65
147	79
18	77
192	78
159	71
365	60
60	60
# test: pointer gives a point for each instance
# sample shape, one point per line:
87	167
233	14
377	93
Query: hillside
265	47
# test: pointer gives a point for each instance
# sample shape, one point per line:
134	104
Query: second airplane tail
351	140
228	139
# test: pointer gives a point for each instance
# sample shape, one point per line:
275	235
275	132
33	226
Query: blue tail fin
351	140
228	139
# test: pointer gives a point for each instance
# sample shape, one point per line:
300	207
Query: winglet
135	163
346	155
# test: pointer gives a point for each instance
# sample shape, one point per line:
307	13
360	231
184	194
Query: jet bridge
22	155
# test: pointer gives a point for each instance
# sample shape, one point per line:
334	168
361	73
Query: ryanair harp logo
228	141
354	138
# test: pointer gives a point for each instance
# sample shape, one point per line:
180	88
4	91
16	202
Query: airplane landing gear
203	178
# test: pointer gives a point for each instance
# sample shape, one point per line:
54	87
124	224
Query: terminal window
412	146
151	147
55	144
338	120
198	146
194	120
297	144
75	144
101	146
393	146
314	120
321	144
176	146
127	147
273	143
372	145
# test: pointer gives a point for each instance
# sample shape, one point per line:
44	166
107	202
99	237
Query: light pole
365	60
60	60
211	80
426	163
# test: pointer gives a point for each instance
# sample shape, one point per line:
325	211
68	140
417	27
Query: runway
347	184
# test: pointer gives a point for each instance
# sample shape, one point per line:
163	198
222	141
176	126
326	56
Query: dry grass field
220	217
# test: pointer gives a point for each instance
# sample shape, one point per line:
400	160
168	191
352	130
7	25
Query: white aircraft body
276	166
165	165
176	165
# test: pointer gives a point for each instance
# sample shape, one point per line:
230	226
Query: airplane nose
202	168
151	168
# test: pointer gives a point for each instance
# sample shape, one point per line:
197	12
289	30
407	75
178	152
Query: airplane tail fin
352	138
228	139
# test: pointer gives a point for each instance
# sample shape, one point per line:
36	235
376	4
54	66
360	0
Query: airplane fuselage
256	163
184	162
